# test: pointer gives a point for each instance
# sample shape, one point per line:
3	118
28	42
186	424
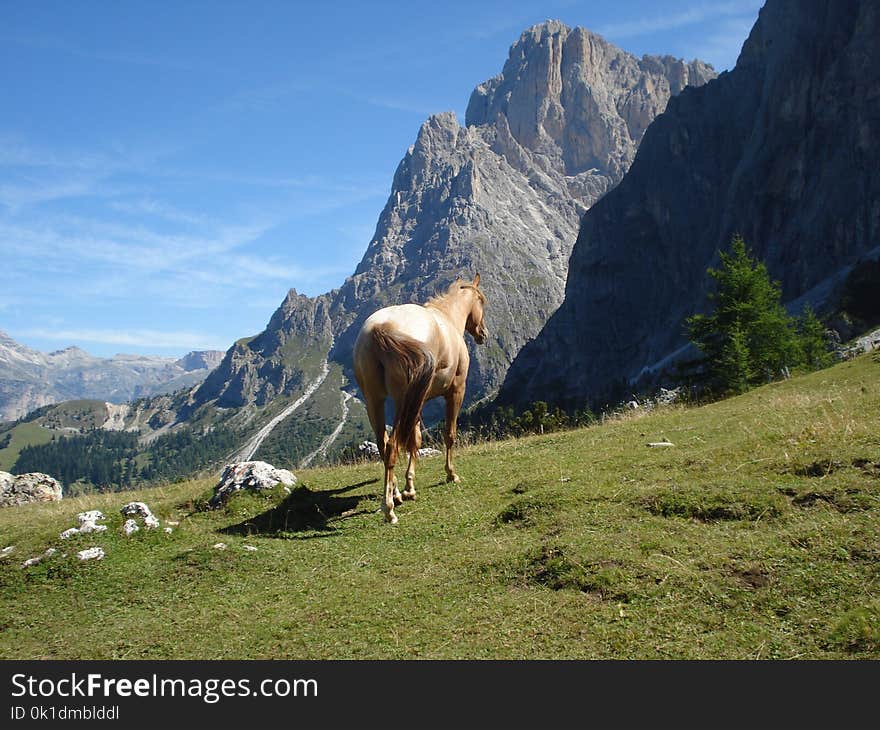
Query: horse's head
475	324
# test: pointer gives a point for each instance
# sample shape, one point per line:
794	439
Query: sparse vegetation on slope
754	536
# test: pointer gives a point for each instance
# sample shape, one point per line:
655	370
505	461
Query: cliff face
502	196
784	149
280	360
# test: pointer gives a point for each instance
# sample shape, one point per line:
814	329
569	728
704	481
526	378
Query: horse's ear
477	280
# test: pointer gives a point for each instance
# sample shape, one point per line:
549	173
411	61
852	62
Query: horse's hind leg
392	495
410	491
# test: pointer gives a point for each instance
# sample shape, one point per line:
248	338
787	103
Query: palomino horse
413	353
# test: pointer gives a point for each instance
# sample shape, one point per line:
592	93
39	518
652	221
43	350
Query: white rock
136	508
151	522
254	475
369	448
169	530
5	551
428	451
173	523
220	545
94	553
39	559
69	533
130	527
249	548
87	527
25	488
93	515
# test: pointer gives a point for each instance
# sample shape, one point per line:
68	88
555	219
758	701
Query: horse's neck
456	310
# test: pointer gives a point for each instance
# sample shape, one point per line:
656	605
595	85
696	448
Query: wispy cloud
135	248
690	16
15	197
165	339
721	47
46	42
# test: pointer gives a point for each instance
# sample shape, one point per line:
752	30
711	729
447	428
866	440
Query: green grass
756	536
23	434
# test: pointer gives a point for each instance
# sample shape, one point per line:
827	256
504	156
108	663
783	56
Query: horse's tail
417	362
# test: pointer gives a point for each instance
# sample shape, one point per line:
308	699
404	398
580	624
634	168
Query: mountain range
502	195
30	378
591	190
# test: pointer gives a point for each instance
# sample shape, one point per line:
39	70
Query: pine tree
748	338
813	342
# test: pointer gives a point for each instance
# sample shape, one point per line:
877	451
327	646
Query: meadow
755	536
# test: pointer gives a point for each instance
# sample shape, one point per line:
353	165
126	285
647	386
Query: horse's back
410	320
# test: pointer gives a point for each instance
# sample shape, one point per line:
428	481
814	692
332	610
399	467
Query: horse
413	353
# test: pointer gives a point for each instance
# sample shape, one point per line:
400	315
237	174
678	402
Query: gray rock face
30	379
502	196
27	488
784	149
278	361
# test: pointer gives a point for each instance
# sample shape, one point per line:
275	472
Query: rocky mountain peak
200	360
577	100
783	150
502	195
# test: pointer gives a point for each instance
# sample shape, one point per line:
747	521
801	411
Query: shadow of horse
304	510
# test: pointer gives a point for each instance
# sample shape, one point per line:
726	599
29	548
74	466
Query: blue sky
168	170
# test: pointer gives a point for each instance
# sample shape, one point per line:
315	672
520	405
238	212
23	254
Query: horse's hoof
409	494
453	478
391	519
398	499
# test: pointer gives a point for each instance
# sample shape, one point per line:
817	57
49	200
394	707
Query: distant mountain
30	379
503	196
784	149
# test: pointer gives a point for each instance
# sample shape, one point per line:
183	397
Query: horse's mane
439	300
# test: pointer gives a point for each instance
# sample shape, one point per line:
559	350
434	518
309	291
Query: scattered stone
140	509
220	545
5	551
92	527
428	451
39	559
249	548
656	444
173	523
130	527
93	515
87	523
27	488
136	508
169	530
668	396
253	475
369	448
94	553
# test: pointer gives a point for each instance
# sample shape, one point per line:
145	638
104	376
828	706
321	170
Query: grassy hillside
757	535
40	426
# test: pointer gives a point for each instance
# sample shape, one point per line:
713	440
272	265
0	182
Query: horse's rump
416	362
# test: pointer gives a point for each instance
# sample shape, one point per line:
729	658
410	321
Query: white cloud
693	15
722	47
131	338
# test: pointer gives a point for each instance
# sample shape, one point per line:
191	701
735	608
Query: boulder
26	488
369	449
252	475
140	509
